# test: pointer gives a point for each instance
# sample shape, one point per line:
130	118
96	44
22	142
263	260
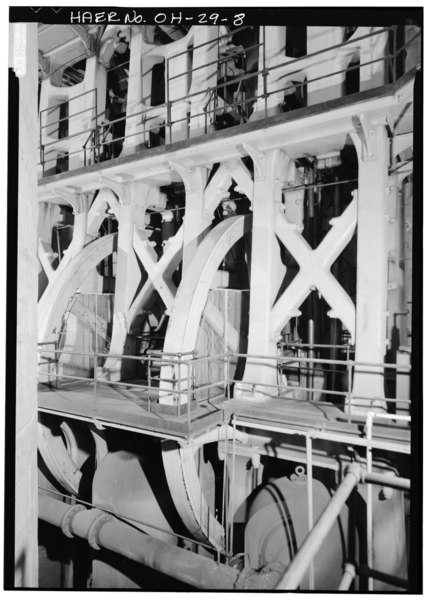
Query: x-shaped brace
315	271
159	271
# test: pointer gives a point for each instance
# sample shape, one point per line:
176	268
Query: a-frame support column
267	270
371	296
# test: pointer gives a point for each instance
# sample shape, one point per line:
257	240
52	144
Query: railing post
42	157
349	386
43	160
56	363
189	367
95	365
167	94
264	72
96	107
227	382
168	125
395	49
149	371
179	376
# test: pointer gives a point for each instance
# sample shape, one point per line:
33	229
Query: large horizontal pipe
197	571
399	483
314	540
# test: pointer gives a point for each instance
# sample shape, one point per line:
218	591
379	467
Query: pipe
314	540
104	530
310	509
347	578
399	483
334	325
369	512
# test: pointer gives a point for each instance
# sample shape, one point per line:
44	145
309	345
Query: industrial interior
225	314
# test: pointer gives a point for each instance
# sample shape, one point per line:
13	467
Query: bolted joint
68	518
95	527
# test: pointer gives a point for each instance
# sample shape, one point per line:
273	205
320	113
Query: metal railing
56	145
182	383
243	105
177	397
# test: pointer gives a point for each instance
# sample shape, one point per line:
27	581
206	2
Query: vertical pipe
369	525
40	143
264	72
57	232
225	491
225	334
96	126
179	383
231	518
94	358
189	395
56	363
310	366
96	323
167	94
310	519
311	300
335	329
395	48
349	386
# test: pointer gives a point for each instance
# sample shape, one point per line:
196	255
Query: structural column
24	61
195	221
371	298
204	75
267	270
132	204
134	125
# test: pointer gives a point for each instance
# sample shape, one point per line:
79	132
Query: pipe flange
95	527
68	518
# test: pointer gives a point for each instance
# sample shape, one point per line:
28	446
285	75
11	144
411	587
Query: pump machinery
226	306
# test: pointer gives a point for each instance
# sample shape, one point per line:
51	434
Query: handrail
92	90
88	138
276	359
213	91
221	37
182	361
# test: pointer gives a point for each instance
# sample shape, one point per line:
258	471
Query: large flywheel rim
179	464
54	301
51	308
